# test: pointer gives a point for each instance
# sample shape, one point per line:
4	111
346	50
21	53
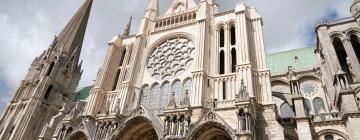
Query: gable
180	6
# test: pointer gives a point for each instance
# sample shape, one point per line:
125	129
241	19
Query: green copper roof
83	94
299	59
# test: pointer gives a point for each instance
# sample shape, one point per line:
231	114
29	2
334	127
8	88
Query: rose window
310	88
171	58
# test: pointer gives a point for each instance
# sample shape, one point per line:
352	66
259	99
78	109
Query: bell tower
50	82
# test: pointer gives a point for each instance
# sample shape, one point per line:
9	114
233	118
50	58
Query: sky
27	28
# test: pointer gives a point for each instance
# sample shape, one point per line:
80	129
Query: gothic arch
210	131
331	131
336	34
352	31
135	128
78	135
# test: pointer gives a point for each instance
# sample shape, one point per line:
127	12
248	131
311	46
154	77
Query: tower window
224	90
116	79
342	55
233	60
222	62
48	92
356	45
52	64
222	37
232	35
122	58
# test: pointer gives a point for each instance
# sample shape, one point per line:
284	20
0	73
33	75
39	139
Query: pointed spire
153	5
127	28
72	35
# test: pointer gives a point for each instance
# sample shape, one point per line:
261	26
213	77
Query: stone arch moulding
351	31
211	118
203	128
336	34
132	123
79	135
331	131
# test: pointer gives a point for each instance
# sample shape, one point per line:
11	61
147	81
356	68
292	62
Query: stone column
353	127
302	122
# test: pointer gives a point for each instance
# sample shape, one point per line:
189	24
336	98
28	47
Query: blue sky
28	27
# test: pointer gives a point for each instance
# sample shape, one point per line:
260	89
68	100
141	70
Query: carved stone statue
172	102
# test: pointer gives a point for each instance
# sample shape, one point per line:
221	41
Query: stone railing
326	117
164	23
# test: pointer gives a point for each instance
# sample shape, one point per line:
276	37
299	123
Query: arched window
116	79
356	45
329	137
222	37
222	62
307	107
48	92
232	35
155	90
318	105
122	57
144	95
341	55
187	86
286	111
165	91
233	60
176	89
51	67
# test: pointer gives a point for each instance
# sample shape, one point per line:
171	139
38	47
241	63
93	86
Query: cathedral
193	73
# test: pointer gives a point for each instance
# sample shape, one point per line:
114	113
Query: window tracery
318	105
171	58
310	88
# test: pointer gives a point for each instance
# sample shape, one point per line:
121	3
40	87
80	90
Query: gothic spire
72	35
153	5
126	31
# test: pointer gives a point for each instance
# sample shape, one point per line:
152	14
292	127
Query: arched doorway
211	131
138	128
77	136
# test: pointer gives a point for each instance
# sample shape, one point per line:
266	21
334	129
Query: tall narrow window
224	90
48	92
286	111
187	86
318	105
222	62
232	35
117	75
176	89
307	107
144	95
165	91
122	58
356	45
222	37
51	67
155	90
341	54
233	60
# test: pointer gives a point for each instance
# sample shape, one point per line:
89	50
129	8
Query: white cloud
27	28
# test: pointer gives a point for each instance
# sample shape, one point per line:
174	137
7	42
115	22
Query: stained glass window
176	89
187	86
307	107
286	111
318	104
154	96
165	89
144	94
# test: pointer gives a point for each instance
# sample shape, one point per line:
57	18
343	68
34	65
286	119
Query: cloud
28	27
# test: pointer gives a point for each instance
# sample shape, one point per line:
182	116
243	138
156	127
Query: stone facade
192	73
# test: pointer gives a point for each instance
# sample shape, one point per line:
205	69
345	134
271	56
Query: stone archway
77	136
138	128
211	131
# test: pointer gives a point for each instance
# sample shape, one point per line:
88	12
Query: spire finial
127	28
